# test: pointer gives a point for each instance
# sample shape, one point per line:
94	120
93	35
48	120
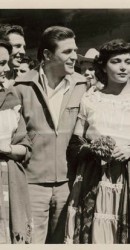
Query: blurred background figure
27	63
14	34
87	67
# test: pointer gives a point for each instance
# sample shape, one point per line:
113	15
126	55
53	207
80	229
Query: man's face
18	48
22	69
64	58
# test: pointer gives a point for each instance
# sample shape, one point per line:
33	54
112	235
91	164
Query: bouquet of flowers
103	147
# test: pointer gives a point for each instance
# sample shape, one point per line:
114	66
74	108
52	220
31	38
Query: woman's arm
78	138
20	148
81	127
15	152
21	144
74	148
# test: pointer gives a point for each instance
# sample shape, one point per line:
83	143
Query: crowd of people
64	140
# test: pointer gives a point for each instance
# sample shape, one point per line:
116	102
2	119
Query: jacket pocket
71	116
72	109
33	136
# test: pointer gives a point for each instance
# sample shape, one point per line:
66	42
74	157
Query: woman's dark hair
6	45
50	37
108	49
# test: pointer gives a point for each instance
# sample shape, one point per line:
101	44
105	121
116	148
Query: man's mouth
70	64
18	59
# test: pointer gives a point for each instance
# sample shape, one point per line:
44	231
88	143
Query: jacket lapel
36	80
41	89
33	76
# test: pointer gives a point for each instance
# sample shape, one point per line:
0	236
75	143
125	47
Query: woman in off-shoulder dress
99	202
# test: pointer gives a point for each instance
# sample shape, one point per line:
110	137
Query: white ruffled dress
107	115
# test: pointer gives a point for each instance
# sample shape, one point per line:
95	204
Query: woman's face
4	59
118	68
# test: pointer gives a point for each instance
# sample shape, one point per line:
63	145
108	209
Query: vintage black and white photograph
65	126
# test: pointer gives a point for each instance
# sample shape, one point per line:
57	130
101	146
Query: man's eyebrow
71	49
19	44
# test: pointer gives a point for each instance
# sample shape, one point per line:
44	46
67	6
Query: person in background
15	212
99	203
87	67
50	96
26	64
15	36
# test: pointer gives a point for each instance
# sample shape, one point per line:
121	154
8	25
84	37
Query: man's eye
67	51
2	63
17	46
70	51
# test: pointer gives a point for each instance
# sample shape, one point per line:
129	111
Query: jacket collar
33	75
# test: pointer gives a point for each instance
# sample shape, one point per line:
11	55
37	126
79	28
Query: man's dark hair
6	29
32	63
6	45
50	37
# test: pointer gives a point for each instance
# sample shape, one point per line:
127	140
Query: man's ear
47	54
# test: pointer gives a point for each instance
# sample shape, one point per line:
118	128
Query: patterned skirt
98	209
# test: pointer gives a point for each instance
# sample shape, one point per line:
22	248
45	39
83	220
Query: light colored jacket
48	162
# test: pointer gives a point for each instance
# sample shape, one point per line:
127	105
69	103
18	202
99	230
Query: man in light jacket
50	95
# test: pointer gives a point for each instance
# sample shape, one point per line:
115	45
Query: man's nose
87	73
6	68
74	55
22	50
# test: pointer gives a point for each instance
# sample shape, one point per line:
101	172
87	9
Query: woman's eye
128	61
114	61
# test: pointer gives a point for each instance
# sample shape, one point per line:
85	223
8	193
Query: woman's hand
16	152
5	148
121	153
